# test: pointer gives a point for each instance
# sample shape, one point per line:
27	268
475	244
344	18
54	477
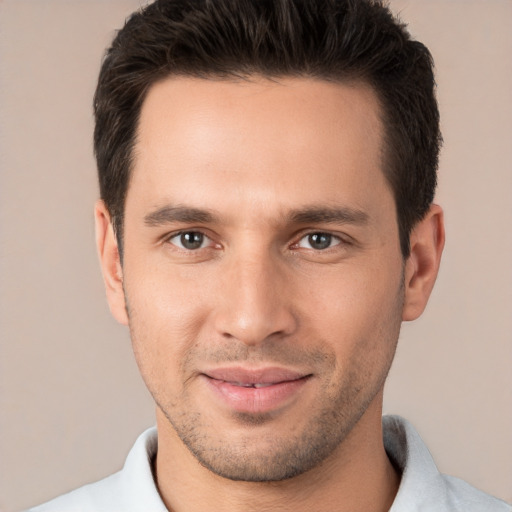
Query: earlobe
110	262
421	268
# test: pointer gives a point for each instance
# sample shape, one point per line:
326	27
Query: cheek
352	297
359	312
166	314
164	297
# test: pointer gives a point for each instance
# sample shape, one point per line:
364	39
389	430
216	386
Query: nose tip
255	306
252	326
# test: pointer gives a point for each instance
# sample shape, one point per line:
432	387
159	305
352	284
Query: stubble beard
282	458
278	456
285	456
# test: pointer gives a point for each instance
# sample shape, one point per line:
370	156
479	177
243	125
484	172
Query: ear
422	266
110	261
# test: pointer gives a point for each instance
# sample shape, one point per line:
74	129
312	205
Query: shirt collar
421	484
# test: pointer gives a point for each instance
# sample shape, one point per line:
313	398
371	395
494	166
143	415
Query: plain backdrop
71	399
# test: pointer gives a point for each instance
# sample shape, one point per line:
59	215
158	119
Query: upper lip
265	375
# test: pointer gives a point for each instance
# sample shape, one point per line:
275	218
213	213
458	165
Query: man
267	172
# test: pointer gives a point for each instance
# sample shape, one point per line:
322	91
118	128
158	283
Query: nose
255	302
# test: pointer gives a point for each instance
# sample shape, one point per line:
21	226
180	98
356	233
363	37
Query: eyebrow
168	214
309	215
322	214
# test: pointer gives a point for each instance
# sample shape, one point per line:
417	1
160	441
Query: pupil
192	240
320	240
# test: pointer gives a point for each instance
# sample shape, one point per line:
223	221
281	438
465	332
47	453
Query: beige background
71	399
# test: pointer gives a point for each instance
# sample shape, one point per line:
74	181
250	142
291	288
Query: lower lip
256	400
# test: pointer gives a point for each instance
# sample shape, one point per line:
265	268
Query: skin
276	165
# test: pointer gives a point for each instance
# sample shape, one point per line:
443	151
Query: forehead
284	139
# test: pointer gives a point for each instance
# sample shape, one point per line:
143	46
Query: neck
357	477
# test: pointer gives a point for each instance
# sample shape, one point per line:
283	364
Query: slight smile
255	391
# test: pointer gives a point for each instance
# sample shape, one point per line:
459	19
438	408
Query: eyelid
342	238
333	238
170	236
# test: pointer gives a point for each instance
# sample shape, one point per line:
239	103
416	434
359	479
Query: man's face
262	268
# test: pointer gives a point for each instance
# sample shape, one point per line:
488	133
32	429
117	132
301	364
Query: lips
244	376
255	390
257	385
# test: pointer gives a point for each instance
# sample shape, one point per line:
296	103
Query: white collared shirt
422	488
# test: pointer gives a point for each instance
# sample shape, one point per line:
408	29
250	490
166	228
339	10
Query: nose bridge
255	305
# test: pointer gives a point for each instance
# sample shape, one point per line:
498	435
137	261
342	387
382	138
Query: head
268	169
341	41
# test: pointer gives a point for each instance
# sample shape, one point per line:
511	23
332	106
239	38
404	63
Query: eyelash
187	232
330	236
296	245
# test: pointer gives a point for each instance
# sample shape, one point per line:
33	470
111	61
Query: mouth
256	385
255	391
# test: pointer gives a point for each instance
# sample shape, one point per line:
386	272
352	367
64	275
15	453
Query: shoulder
462	496
422	486
132	489
99	496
